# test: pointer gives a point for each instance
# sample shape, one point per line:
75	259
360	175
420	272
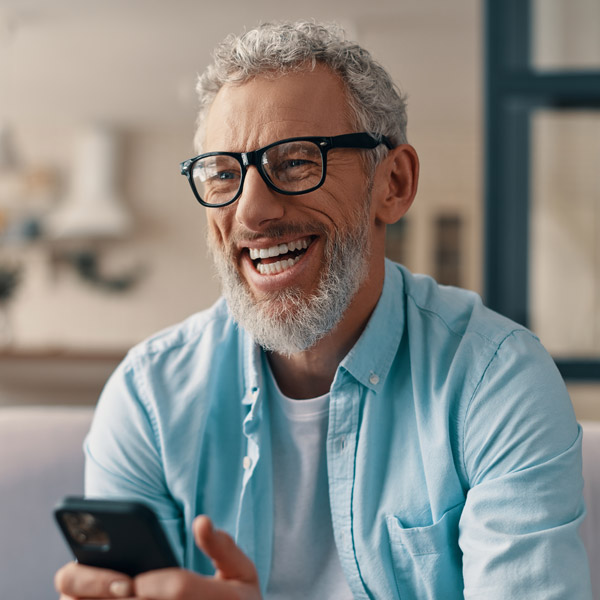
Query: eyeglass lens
290	167
217	178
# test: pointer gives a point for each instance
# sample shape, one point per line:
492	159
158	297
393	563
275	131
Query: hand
235	578
80	581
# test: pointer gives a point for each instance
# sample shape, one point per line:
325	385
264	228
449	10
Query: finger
166	584
82	581
227	557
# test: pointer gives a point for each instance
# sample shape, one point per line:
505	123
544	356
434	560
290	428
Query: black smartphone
113	534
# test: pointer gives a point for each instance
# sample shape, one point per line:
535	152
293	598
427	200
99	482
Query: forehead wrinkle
259	136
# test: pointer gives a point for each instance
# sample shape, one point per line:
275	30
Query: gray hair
273	49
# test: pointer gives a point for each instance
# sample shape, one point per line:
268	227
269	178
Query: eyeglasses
292	166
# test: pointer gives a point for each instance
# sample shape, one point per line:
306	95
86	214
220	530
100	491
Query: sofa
41	461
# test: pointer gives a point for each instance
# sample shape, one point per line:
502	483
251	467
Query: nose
258	206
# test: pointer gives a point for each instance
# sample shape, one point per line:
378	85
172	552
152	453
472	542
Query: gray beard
289	322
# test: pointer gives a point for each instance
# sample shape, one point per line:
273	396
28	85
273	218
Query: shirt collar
370	359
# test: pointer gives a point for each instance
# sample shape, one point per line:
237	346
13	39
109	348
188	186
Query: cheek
217	230
336	205
348	212
345	198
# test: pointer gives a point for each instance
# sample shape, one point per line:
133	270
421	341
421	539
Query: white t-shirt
305	559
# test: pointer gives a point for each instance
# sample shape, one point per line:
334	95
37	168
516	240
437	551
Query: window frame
514	90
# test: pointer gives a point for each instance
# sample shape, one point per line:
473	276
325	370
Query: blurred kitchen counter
54	376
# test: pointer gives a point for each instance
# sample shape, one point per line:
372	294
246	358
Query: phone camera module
85	529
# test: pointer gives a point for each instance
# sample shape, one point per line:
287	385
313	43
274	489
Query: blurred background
102	242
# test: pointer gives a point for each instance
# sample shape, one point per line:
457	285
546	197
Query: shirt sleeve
522	456
123	452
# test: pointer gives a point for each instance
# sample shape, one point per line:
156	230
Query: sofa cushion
41	460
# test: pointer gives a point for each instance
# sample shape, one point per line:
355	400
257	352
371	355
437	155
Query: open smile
280	257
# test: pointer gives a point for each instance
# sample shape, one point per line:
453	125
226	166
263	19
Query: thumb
227	557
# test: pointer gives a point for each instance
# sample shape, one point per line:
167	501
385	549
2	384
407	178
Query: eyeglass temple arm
360	140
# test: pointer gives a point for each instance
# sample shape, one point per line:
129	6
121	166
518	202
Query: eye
223	175
217	170
293	165
295	169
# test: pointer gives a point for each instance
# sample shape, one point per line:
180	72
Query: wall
133	65
437	62
432	49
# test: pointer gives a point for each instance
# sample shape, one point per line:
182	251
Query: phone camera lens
81	537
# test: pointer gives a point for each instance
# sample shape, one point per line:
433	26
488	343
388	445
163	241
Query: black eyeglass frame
362	141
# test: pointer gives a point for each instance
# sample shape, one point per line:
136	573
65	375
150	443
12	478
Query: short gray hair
273	49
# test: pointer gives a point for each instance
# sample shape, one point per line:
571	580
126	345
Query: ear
395	184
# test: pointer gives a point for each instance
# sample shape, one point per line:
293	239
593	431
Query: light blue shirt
453	454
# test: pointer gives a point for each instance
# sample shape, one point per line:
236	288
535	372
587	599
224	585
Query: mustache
243	235
277	231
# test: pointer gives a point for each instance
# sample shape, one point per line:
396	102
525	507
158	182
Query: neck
307	374
310	373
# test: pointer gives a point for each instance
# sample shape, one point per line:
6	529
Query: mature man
359	431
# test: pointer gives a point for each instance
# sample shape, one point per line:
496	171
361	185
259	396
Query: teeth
277	250
277	267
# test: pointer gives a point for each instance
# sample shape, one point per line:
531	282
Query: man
359	431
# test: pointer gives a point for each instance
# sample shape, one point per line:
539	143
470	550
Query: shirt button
247	463
374	379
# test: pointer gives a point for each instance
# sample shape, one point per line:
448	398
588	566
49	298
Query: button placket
344	417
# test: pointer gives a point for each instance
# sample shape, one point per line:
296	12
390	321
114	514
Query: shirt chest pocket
427	560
